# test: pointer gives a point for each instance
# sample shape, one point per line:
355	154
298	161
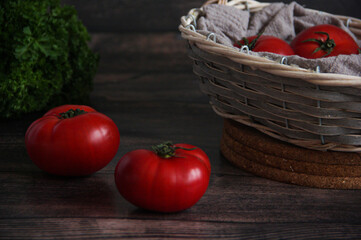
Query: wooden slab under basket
319	111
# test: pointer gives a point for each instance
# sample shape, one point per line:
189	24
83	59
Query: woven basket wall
313	110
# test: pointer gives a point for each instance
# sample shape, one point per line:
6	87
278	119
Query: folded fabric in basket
280	20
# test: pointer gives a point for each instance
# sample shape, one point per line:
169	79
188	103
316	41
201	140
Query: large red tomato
72	140
324	41
167	179
264	43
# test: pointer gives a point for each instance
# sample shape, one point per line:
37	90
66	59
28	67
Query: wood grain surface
110	228
164	15
159	102
146	85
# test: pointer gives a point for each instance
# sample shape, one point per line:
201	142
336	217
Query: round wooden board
264	156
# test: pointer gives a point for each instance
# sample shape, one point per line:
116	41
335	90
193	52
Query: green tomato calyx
328	45
71	113
168	149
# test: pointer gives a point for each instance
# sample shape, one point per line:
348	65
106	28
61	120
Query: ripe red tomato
167	179
72	140
324	41
264	43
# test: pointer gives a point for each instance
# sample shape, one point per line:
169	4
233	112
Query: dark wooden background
146	85
163	15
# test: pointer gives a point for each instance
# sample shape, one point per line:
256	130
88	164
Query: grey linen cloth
280	20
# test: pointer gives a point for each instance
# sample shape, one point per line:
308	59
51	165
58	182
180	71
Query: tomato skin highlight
345	44
77	146
163	184
267	43
199	153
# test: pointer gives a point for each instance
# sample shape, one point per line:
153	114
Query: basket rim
207	44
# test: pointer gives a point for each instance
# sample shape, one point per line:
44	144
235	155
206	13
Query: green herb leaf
45	58
27	30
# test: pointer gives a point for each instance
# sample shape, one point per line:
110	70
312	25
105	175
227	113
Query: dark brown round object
257	140
257	155
266	157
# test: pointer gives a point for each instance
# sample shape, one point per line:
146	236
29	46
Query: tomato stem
71	113
328	45
167	149
251	44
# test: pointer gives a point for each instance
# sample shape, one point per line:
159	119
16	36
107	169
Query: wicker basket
314	110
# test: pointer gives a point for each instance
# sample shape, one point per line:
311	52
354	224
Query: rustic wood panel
347	8
141	52
152	96
230	198
132	16
66	228
163	15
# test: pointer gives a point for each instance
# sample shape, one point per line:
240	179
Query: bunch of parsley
44	57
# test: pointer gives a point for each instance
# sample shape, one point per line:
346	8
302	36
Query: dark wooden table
146	85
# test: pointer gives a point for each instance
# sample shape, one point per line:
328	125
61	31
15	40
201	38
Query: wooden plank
132	16
165	87
141	52
229	198
80	228
17	160
163	15
347	8
150	101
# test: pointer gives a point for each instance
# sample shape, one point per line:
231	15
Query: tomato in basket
265	43
324	41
